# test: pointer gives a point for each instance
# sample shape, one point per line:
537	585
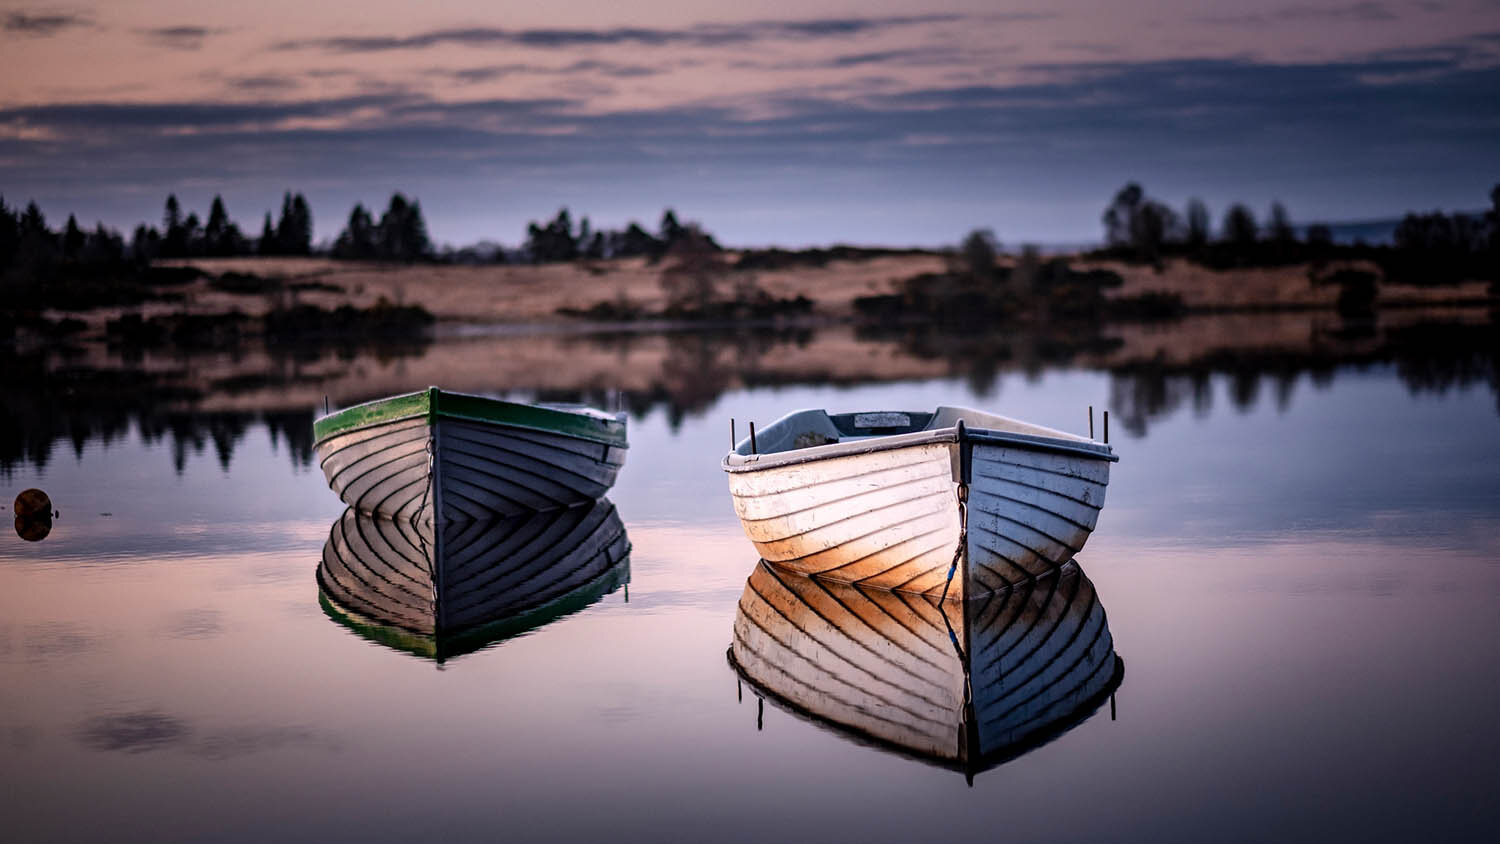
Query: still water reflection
965	684
1307	594
387	580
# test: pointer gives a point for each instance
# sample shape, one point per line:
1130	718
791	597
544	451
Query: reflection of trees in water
54	399
979	356
1427	358
699	366
47	405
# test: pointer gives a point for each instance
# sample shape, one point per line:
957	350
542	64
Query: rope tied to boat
416	520
963	542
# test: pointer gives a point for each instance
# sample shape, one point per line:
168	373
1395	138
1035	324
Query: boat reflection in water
964	684
492	580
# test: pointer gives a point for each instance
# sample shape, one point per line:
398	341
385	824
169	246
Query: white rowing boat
890	669
467	457
452	589
875	498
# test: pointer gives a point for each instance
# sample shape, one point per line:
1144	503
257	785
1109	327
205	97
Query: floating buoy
34	529
32	504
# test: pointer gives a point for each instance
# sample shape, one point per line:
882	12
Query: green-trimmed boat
468	458
438	591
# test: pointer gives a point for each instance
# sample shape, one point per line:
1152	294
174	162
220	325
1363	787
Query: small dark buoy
32	503
33	529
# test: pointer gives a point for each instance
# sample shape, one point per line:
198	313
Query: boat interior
808	428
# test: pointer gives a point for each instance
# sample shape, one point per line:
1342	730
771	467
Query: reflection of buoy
32	504
35	529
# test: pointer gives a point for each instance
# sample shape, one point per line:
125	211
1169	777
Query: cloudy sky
793	123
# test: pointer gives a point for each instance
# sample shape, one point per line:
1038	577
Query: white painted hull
889	518
469	575
484	471
881	665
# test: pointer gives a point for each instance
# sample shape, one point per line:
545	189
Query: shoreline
525	300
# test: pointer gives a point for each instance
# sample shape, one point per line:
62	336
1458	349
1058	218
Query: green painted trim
375	412
448	645
433	403
479	409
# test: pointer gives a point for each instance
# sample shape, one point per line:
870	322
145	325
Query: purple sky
797	123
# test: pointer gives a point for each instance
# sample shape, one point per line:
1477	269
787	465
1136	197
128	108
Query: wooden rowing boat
467	457
442	591
890	668
887	499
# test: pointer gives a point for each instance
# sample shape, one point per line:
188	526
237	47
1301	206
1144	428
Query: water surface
1305	594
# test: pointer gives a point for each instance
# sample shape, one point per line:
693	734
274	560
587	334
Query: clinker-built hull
891	511
466	458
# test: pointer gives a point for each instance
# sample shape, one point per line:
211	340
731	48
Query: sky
820	121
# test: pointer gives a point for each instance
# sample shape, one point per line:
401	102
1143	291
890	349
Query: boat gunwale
736	463
435	403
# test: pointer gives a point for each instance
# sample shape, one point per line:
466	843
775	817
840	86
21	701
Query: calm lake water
1305	594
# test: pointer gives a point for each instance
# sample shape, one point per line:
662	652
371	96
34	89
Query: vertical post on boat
1106	427
1111	706
739	690
760	713
732	441
1091	421
325	404
753	448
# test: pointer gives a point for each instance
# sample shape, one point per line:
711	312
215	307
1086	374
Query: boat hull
429	463
433	585
890	518
883	666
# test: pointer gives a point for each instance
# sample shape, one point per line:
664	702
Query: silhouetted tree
670	231
192	229
1319	237
10	236
1120	214
294	229
145	244
103	247
977	254
174	242
596	247
1197	224
634	241
357	240
1143	225
1239	229
554	241
73	239
220	235
267	243
1153	224
402	233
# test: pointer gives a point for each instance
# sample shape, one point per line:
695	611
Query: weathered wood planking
883	511
880	665
492	459
384	573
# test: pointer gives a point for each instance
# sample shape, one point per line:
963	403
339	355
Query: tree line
1433	248
398	234
559	240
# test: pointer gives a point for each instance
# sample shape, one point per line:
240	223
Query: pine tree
267	244
73	239
357	240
